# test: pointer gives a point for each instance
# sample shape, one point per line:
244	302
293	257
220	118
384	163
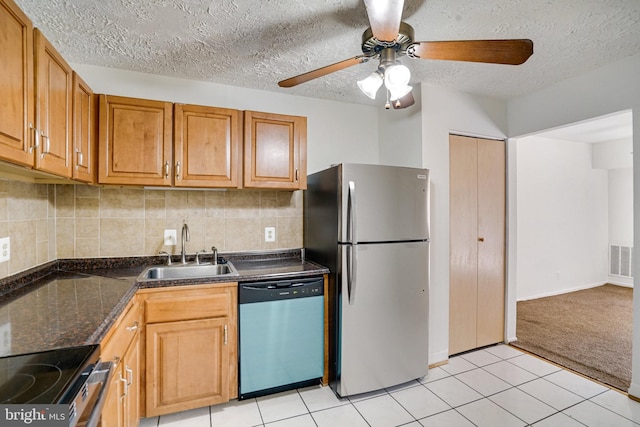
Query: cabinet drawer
122	334
187	307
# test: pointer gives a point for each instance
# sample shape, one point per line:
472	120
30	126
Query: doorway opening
574	231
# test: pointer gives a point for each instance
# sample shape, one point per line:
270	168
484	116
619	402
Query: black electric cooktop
46	377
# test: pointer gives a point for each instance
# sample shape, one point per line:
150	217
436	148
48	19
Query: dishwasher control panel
280	289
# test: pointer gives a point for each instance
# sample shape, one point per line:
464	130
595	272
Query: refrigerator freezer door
384	204
384	318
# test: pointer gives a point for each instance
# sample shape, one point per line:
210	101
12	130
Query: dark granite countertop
65	303
62	309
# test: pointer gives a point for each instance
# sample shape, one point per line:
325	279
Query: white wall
621	214
621	206
447	111
336	131
562	218
614	154
617	158
609	89
401	134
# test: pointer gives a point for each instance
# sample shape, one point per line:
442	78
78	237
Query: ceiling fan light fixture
396	75
399	92
370	84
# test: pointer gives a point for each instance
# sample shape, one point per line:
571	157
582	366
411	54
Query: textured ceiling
256	43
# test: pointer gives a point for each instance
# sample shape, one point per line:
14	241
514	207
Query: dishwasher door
281	343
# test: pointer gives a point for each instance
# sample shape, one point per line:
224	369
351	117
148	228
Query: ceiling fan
388	38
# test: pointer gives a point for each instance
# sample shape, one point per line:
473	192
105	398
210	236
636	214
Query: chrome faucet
185	238
215	255
168	255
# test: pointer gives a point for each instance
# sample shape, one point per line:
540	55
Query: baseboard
620	283
438	358
564	291
634	391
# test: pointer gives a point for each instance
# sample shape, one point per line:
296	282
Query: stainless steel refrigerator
370	225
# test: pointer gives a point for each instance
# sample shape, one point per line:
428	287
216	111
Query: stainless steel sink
189	271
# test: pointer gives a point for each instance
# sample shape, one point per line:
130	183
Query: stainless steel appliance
370	225
281	342
64	386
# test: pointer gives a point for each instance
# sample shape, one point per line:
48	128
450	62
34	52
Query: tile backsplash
50	221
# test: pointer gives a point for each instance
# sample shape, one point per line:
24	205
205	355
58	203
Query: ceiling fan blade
406	101
302	78
511	52
384	18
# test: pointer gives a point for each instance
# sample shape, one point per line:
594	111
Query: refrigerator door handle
351	213
352	267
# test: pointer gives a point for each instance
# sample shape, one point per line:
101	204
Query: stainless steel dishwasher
281	343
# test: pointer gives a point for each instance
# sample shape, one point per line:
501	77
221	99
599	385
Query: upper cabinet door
85	125
53	113
135	141
207	146
16	85
275	151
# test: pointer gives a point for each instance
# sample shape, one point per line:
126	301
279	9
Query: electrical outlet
269	234
170	237
5	249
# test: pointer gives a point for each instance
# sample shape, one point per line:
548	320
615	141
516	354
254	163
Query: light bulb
370	85
396	75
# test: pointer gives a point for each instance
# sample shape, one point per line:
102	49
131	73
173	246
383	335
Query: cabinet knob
133	327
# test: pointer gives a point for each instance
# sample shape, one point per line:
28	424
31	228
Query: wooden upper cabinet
275	151
54	78
207	146
16	85
135	141
85	127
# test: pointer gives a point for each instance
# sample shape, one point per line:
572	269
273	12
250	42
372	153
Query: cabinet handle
178	170
79	159
225	335
166	170
36	138
47	146
297	174
129	375
133	327
126	386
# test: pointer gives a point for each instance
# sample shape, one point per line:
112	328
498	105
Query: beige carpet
588	331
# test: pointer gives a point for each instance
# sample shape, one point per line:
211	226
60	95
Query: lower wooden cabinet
122	347
191	347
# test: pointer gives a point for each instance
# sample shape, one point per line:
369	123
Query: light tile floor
498	386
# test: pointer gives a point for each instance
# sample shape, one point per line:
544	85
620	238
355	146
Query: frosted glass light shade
396	75
399	91
370	85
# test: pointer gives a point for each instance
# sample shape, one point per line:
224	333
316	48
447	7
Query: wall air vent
621	260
